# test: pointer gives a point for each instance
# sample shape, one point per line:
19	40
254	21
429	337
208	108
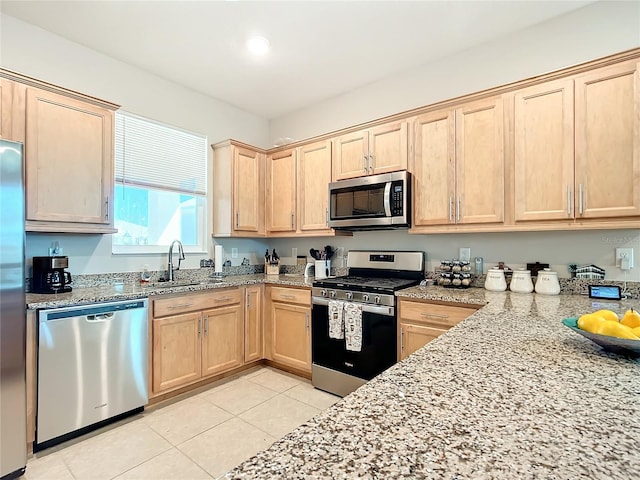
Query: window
160	188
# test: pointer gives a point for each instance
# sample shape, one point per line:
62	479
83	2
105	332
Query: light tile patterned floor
200	437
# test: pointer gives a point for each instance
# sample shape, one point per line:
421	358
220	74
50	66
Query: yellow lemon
612	328
636	331
631	318
590	322
607	314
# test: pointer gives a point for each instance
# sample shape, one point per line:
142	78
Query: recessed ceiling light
258	45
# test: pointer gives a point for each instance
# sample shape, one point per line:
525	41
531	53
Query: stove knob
349	295
365	297
377	299
332	293
323	293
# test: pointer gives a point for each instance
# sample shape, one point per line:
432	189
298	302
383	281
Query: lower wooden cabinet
253	338
195	336
421	322
289	320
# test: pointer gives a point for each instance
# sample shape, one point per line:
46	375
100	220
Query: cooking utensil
329	252
315	254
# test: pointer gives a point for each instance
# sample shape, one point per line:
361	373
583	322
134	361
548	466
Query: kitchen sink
185	283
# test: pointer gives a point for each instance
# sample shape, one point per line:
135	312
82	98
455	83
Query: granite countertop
130	291
507	393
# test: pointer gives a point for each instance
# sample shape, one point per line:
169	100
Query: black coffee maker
49	275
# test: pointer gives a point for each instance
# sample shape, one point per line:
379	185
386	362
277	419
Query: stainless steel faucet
180	258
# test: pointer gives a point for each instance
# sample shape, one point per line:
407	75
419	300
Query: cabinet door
314	176
607	142
69	159
414	337
281	192
248	190
350	155
291	338
434	169
480	162
6	97
543	163
222	339
388	148
253	323
176	351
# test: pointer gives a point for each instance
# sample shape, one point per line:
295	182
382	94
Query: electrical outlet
624	258
234	252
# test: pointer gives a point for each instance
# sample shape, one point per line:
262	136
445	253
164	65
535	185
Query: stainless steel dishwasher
92	366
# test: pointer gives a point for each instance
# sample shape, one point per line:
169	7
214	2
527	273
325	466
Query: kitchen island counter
508	393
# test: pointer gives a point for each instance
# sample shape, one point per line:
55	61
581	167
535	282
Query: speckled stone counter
128	291
509	393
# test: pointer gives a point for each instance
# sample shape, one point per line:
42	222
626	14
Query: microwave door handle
387	199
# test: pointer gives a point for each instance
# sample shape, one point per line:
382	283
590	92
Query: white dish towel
336	319
353	326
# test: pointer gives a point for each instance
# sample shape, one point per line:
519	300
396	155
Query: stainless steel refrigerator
13	409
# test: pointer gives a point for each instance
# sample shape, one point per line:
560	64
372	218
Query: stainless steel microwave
376	202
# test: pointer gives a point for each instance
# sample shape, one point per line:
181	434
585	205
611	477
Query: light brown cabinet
376	150
314	176
6	105
421	322
253	338
289	322
281	198
458	165
238	190
195	336
543	152
607	142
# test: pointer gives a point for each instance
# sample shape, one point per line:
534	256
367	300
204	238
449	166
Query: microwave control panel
397	198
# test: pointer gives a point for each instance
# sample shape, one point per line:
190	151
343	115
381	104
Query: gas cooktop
366	284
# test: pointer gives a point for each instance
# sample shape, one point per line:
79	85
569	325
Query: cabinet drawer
291	295
196	301
432	314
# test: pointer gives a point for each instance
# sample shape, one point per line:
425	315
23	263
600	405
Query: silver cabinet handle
200	326
237	219
106	208
306	320
371	162
401	339
580	199
458	210
288	297
223	299
248	300
450	208
568	200
364	163
434	315
326	217
291	220
206	326
180	305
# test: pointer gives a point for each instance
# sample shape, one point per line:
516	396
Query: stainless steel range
354	325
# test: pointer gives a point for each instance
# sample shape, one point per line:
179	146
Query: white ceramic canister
547	282
495	280
521	281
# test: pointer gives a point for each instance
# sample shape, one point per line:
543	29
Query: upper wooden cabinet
238	190
314	176
458	165
281	192
607	142
543	153
6	105
379	149
69	162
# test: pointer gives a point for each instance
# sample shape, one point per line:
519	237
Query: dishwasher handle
103	317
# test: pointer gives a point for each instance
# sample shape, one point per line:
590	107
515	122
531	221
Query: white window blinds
150	154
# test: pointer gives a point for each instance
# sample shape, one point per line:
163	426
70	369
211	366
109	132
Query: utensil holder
272	268
321	267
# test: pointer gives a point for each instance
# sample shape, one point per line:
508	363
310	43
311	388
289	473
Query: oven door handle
366	308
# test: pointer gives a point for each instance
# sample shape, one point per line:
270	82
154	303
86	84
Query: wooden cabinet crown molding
33	82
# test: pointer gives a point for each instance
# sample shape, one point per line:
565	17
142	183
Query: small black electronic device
605	292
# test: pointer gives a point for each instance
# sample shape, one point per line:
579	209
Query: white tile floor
200	437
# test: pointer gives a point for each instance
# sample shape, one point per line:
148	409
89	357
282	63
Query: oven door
378	352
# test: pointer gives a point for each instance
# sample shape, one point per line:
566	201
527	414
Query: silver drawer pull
288	297
181	305
434	315
223	299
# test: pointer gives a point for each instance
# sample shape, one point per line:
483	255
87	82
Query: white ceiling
320	49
